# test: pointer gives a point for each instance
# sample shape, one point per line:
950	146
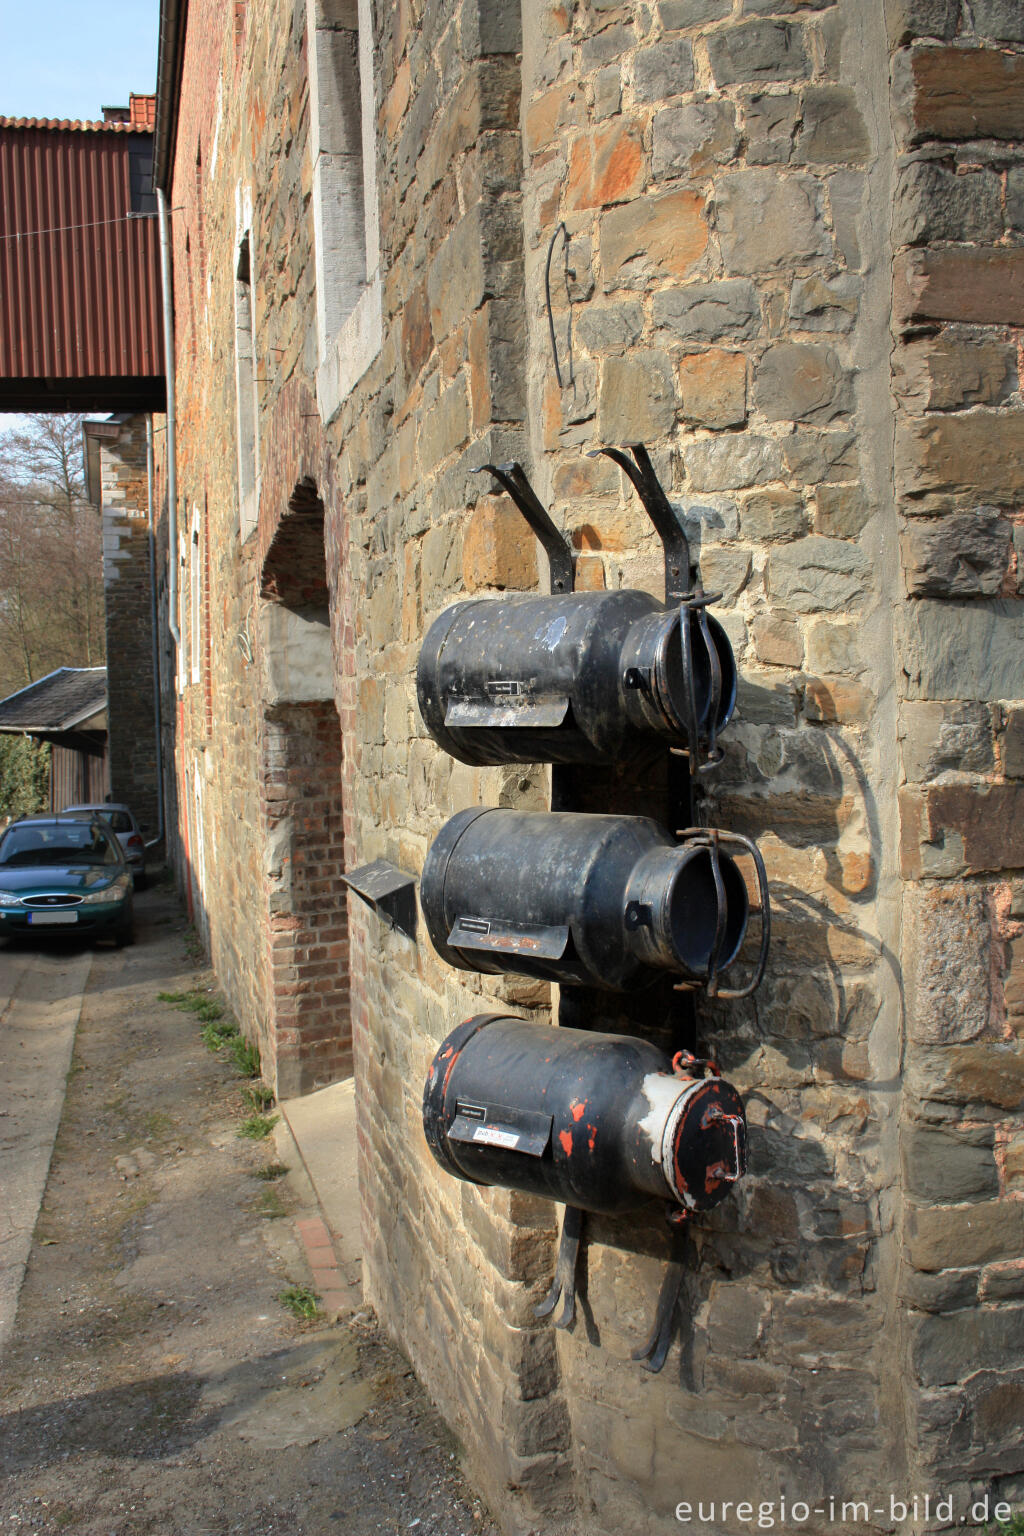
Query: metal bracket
389	890
564	1284
653	1352
512	479
679	574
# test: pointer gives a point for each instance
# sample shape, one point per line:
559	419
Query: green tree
24	776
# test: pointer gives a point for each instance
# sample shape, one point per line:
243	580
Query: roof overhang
173	22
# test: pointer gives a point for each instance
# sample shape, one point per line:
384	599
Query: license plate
53	917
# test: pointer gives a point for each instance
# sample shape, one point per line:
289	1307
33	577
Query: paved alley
151	1379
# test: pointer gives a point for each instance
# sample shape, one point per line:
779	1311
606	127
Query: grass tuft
270	1172
300	1301
258	1096
246	1056
205	1007
257	1127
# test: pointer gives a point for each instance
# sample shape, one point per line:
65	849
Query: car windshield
24	847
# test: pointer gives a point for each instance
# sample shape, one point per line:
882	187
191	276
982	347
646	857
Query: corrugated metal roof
56	702
75	125
79	272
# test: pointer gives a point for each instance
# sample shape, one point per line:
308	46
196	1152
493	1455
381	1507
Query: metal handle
710	838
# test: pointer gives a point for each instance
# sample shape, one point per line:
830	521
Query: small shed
67	708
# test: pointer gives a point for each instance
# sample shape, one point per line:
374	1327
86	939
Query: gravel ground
154	1382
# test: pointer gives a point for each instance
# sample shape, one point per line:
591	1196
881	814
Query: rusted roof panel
79	269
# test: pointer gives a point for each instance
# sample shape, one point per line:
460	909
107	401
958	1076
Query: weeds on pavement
270	1171
259	1098
257	1127
300	1301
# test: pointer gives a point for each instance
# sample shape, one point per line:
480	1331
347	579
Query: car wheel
141	880
124	936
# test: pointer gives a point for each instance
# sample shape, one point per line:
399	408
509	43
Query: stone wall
958	223
743	186
128	596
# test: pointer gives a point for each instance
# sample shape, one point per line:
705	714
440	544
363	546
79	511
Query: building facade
782	243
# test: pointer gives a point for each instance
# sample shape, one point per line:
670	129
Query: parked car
64	874
125	828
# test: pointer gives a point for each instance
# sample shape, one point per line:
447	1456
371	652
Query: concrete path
40	1004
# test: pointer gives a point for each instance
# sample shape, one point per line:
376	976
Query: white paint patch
662	1093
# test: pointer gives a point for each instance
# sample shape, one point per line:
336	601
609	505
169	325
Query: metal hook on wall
567	273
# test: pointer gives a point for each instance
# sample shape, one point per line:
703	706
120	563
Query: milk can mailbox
601	1122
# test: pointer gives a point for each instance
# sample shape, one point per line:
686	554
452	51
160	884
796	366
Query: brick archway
309	1029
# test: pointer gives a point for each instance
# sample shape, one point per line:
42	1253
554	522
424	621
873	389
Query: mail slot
603	1122
576	678
605	901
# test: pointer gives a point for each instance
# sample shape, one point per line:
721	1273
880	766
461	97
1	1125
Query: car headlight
115	891
8	899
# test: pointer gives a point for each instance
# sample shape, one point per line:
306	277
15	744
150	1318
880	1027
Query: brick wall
745	187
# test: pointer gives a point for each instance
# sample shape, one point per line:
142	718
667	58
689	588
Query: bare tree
51	554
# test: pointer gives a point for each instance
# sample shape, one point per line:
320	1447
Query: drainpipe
154	619
172	476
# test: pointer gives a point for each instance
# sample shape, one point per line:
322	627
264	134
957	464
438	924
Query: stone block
813	457
637	398
494	551
933	203
942	373
837	701
713	388
909	19
709	311
445	427
834	132
833	649
774	516
946	1350
607	92
777	641
958	94
941	738
690	140
662	70
674	15
732	462
983	286
1013	744
846	194
962	555
1015	197
947	1166
953	1236
725	570
767	221
944	1290
605	46
801	381
1000	20
606	166
824	304
758	50
816	575
840	511
979	826
664	235
611	328
980	453
966	650
770	124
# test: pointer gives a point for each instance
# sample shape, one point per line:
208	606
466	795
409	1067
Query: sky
70	58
